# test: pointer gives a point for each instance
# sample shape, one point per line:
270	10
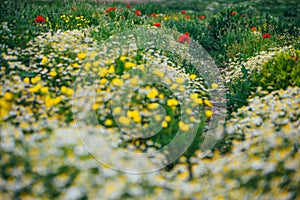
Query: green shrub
244	75
280	72
224	29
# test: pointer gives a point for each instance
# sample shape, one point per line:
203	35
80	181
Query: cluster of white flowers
234	68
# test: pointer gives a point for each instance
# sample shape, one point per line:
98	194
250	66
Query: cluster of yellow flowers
68	22
263	165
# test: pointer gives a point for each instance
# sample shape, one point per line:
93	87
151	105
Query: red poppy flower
39	19
187	17
128	6
73	8
233	13
253	28
294	57
112	9
243	15
107	10
184	38
153	15
202	17
138	13
266	35
183	12
157	24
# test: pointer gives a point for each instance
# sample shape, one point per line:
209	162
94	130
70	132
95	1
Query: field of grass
166	100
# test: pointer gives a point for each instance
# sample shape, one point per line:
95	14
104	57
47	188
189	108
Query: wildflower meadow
149	100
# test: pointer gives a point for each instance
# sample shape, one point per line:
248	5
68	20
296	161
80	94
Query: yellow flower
174	86
56	100
214	85
123	58
81	55
96	63
63	89
194	96
183	126
26	80
124	120
153	93
208	113
126	76
103	81
75	65
93	54
164	124
111	69
193	76
51	101
206	102
172	102
134	81
158	73
199	101
117	82
95	106
35	79
87	66
117	110
153	106
265	25
157	117
69	92
8	96
36	88
44	60
192	119
44	89
66	90
53	73
135	115
141	67
180	80
168	118
188	111
183	175
108	122
129	65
